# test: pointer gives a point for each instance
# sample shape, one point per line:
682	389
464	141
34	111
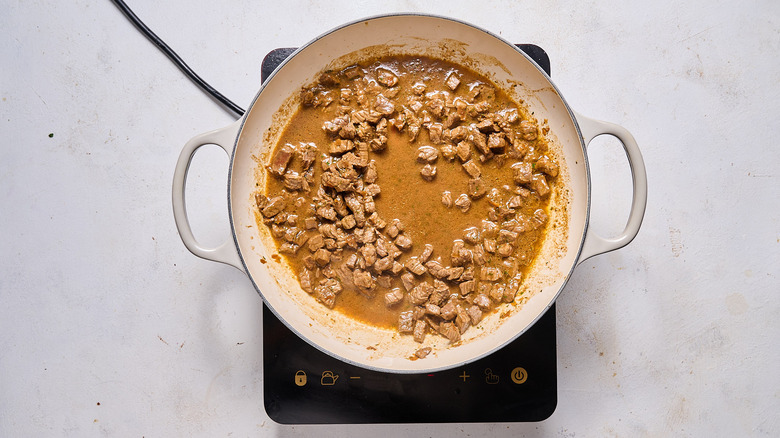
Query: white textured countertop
109	326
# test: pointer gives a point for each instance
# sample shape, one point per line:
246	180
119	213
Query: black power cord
176	59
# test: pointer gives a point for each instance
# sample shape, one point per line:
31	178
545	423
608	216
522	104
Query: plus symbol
464	376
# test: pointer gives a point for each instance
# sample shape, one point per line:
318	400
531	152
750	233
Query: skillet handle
226	252
595	244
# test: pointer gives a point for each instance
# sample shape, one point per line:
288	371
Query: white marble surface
109	327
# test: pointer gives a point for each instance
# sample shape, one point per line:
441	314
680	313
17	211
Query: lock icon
300	378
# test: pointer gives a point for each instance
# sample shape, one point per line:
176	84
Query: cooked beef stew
409	192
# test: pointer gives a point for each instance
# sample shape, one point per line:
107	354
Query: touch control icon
490	378
300	377
519	375
328	378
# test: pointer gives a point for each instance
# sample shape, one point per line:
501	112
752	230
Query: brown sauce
368	114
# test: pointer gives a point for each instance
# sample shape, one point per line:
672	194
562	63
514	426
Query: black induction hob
302	385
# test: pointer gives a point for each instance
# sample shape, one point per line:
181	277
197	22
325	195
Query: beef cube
368	251
463	151
539	218
384	281
340	184
454	272
428	172
383	264
497	143
281	159
310	223
322	256
452	81
539	184
505	250
294	181
394	297
274	207
489	228
364	281
418	88
466	287
548	166
446	198
427	154
403	242
462	320
351	261
435	131
522	172
288	248
515	202
422	353
448	152
436	269
450	331
415	266
528	130
370	176
488	273
483	302
463	202
420	293
348	222
496	293
307	153
471	235
472	169
476	188
384	106
436	104
394	228
372	190
316	242
386	77
479	140
340	146
307	278
448	311
396	268
426	253
407	280
326	291
405	322
475	313
419	331
432	309
490	245
327	212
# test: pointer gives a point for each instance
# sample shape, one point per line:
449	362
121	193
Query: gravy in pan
409	192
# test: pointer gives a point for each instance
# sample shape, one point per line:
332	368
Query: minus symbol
354	377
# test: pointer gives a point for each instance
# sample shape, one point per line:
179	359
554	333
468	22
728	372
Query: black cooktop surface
302	385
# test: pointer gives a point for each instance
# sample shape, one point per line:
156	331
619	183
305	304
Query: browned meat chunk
539	184
428	172
275	206
308	154
547	165
466	287
462	320
480	141
384	106
435	131
418	88
426	253
386	77
394	297
340	146
528	130
448	311
522	172
477	188
307	278
403	242
322	257
370	175
483	302
463	150
488	273
427	154
497	142
472	235
326	291
364	281
475	313
463	202
452	81
420	293
281	159
472	169
450	331
446	198
406	322
294	181
407	280
419	331
423	352
415	266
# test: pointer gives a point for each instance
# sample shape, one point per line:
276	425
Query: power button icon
519	375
